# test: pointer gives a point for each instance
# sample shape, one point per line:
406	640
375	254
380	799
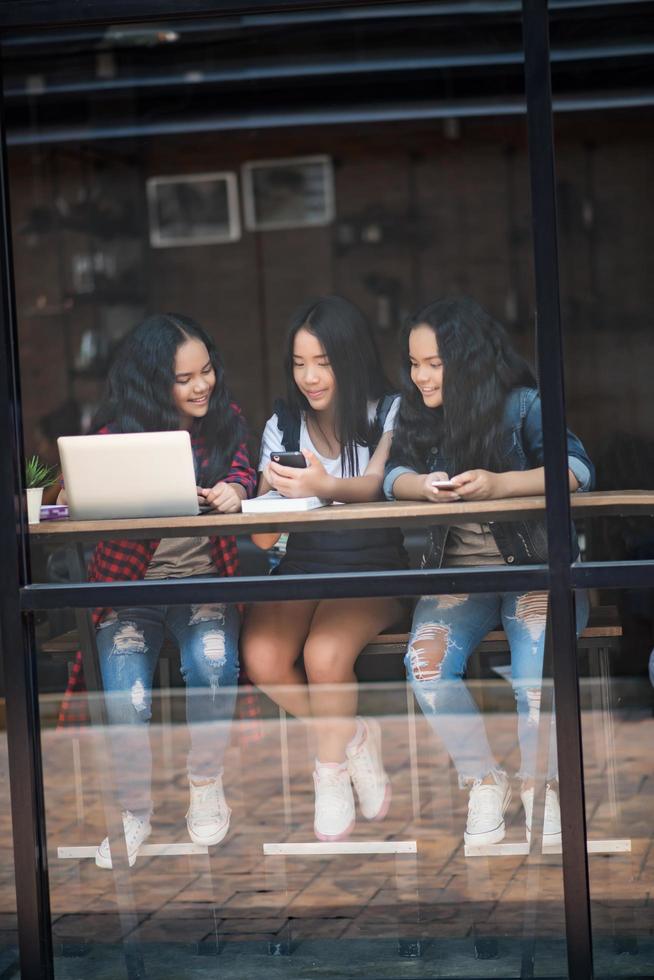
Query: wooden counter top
409	513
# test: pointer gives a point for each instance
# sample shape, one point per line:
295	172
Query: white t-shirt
271	441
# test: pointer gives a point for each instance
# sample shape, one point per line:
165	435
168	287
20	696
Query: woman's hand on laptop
224	497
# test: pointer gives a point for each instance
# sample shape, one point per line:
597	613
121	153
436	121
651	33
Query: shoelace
206	802
364	767
482	802
132	828
332	789
134	825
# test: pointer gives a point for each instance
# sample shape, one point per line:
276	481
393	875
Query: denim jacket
519	542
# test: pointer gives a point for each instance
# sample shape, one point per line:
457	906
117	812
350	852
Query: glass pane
438	878
603	69
191	169
617	672
229	171
9	962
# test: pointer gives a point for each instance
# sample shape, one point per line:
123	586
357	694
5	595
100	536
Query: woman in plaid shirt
168	375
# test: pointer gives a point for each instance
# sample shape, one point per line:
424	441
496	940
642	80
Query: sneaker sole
491	837
105	863
549	840
385	805
209	841
332	838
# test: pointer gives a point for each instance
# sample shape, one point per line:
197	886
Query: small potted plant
38	476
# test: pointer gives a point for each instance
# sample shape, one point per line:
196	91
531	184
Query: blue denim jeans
129	645
445	631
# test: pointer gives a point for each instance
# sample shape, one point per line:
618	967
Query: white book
273	502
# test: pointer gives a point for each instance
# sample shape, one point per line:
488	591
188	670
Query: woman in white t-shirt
340	415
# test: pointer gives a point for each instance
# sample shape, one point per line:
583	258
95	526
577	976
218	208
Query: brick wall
454	216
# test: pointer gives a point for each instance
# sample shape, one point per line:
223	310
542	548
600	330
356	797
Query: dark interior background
421	116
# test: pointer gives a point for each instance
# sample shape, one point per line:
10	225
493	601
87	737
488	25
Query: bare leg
340	629
271	642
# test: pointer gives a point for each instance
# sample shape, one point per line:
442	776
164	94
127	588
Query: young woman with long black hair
339	412
470	411
168	375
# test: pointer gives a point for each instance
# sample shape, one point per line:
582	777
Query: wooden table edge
341	517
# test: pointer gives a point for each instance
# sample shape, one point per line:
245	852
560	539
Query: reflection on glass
395	887
8	919
379	218
617	728
603	176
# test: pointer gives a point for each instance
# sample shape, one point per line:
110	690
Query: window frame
562	575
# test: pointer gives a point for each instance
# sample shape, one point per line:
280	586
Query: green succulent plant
39	474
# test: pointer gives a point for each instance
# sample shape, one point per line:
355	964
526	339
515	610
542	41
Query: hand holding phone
295	460
298	475
438	486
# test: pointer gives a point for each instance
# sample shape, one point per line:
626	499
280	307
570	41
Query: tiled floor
340	912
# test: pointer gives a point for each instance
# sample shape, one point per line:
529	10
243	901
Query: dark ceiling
410	60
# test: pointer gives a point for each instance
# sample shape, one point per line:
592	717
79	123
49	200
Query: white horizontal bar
496	850
146	850
318	848
616	846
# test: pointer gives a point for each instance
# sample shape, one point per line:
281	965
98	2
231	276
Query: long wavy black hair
347	339
139	391
480	367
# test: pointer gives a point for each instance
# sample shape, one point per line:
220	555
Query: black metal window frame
19	598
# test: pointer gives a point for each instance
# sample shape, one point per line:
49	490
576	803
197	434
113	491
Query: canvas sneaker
551	817
486	808
137	831
208	815
334	815
369	778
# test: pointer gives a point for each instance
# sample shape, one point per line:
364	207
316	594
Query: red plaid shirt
118	561
126	560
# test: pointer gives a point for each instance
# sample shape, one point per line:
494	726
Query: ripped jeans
445	631
129	645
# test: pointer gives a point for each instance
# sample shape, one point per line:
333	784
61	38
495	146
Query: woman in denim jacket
471	416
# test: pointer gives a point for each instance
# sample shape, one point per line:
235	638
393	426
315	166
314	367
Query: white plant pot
34	499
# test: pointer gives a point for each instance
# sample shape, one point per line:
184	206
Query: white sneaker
486	808
334	816
551	817
370	780
137	831
208	814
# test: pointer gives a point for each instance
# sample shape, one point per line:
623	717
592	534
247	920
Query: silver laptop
136	474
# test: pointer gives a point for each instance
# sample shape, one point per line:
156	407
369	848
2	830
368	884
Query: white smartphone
444	485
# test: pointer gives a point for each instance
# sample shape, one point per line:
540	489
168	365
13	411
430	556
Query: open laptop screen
136	474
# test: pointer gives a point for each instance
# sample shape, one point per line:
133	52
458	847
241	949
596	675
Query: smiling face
312	372
426	365
195	380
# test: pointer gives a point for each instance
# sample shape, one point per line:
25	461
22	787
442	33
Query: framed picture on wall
193	209
292	193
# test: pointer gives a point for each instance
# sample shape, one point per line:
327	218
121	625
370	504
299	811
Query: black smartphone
290	459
